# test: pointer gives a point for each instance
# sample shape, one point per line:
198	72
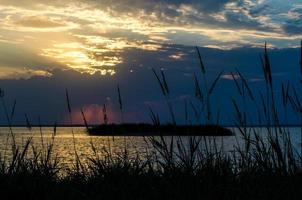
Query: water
64	143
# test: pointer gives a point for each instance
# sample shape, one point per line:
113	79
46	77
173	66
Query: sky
90	46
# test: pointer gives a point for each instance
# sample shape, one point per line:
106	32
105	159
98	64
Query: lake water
64	143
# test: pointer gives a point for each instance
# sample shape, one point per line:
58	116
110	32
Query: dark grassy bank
188	173
198	168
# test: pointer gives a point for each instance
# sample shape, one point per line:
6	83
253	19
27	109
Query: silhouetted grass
173	168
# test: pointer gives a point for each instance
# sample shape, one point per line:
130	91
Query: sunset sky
90	46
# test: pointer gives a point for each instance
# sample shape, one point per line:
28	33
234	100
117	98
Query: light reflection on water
64	149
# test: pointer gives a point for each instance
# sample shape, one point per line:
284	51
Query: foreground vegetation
188	171
196	168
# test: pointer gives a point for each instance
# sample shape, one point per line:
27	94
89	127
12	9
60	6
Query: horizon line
89	125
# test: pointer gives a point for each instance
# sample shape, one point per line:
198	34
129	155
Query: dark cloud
293	29
241	20
293	26
45	96
260	10
243	14
205	6
170	11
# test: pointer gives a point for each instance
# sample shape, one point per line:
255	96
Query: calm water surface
64	145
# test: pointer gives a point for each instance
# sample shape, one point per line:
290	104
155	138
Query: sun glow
83	59
93	36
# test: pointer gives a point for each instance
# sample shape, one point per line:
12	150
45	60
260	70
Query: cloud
293	29
44	96
94	36
17	61
293	25
33	22
230	76
25	73
39	22
93	114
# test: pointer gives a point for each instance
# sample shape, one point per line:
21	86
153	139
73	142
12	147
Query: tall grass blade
41	132
164	81
84	119
28	124
68	101
71	123
13	110
198	92
55	128
120	103
236	84
162	87
6	115
202	67
154	117
246	85
301	57
196	112
105	118
267	67
215	82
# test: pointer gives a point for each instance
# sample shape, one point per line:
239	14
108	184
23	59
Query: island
143	129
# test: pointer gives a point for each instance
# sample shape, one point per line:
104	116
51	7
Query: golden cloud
25	73
40	22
